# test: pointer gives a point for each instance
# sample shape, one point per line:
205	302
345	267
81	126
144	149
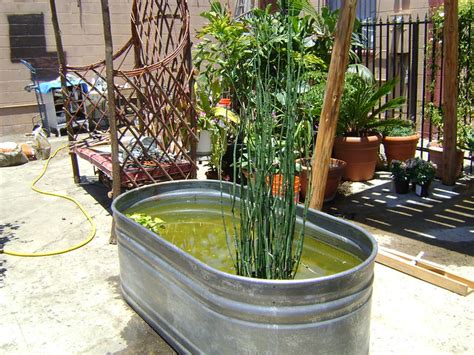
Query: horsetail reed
266	244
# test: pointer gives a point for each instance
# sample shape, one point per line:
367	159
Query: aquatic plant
154	224
266	242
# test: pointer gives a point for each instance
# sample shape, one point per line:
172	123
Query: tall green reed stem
267	244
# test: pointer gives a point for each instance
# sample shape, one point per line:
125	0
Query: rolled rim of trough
117	208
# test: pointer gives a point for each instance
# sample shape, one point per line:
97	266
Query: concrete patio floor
72	303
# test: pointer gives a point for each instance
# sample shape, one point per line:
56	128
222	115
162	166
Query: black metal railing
407	48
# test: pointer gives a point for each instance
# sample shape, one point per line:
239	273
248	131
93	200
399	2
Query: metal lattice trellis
154	128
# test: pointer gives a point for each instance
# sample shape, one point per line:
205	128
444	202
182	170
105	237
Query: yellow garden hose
89	218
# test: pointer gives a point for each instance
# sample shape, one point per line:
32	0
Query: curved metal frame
154	115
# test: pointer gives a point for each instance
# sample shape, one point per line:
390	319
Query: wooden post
109	67
450	74
134	21
332	99
193	113
64	88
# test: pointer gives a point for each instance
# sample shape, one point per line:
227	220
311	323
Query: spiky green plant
362	105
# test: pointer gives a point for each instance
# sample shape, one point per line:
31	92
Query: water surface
200	229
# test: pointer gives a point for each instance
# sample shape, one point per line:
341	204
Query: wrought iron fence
407	48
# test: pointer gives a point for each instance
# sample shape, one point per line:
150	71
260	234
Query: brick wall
26	31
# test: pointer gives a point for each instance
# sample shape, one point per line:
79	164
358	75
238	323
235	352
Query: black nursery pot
401	187
422	190
228	160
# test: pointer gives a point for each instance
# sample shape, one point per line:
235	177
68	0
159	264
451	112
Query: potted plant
358	132
204	122
424	173
335	173
216	123
435	147
464	140
309	105
400	143
411	166
400	177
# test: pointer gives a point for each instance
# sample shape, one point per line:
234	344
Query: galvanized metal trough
199	309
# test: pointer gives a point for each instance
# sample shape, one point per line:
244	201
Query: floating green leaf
152	223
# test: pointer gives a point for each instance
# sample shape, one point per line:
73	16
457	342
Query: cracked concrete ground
72	303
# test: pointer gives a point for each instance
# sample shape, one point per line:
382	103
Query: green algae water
199	228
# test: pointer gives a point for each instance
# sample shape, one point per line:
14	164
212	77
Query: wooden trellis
153	131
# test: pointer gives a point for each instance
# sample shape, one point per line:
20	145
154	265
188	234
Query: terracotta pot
336	170
360	154
400	148
277	184
436	157
278	190
226	102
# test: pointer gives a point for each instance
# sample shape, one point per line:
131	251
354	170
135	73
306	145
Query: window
366	13
366	9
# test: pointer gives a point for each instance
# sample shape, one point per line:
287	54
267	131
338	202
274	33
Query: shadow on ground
444	219
97	190
7	234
